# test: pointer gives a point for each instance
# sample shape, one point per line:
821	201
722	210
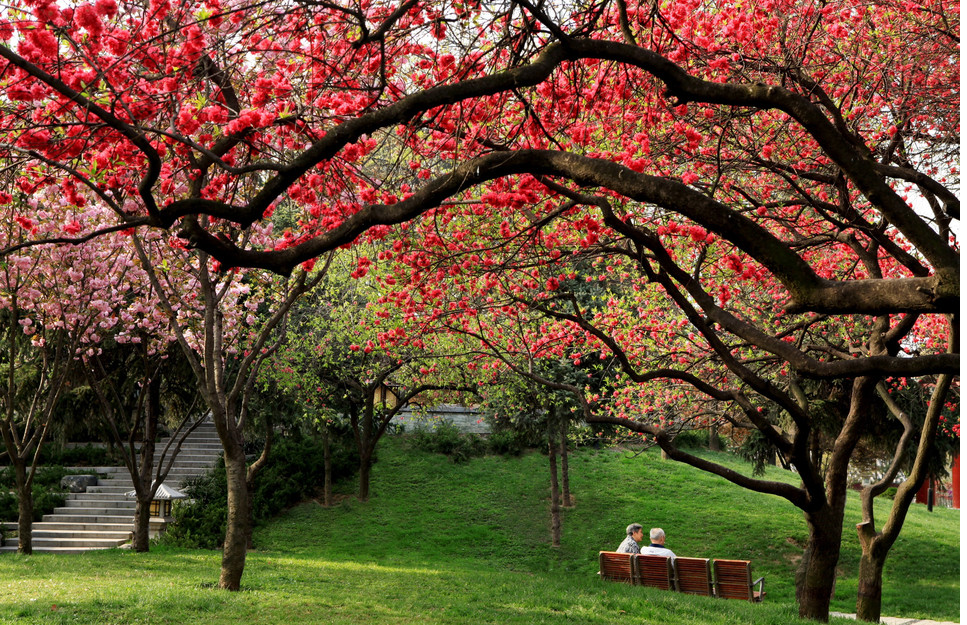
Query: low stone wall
467	420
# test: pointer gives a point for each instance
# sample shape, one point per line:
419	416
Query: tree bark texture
142	519
565	470
365	467
25	510
239	521
816	576
869	592
327	467
555	488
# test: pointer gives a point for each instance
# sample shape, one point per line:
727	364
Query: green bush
447	439
200	521
889	493
696	439
294	472
506	443
8	507
45	500
86	456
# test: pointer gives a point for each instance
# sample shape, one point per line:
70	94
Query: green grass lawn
468	543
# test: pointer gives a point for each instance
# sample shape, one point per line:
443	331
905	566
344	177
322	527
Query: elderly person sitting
630	544
657	546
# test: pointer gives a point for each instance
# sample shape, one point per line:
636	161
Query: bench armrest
761	582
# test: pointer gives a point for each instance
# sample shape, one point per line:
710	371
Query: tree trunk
876	545
565	472
25	510
869	590
555	491
327	467
239	521
145	472
365	465
713	438
816	576
142	517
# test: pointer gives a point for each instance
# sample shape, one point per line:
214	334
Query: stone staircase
103	517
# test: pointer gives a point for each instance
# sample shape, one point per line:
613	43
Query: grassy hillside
468	543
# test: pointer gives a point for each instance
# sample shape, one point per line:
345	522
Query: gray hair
634	527
656	534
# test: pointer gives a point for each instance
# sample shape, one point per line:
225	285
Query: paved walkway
894	620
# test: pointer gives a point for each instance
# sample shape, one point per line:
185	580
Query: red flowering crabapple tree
815	141
696	329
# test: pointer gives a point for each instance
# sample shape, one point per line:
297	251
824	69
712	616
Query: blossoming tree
812	144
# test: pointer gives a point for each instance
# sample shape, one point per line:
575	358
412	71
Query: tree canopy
762	196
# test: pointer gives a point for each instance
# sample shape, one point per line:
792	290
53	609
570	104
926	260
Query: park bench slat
616	567
694	576
733	580
655	571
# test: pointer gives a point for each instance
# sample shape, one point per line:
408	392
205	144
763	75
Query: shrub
506	443
47	492
86	456
200	520
45	501
696	439
8	507
447	439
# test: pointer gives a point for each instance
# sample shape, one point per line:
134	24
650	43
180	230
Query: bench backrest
694	576
616	567
733	579
655	571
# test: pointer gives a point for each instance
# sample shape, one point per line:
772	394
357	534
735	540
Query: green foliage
889	493
46	492
757	449
447	439
200	520
506	443
47	477
8	506
697	439
294	472
45	500
85	456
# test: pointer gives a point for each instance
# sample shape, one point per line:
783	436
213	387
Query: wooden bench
617	567
694	576
733	580
655	571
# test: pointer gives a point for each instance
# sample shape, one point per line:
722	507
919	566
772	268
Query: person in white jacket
657	546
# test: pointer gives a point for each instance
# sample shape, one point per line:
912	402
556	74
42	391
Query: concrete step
107	490
102	511
89	496
88	518
60	550
90	534
74	505
103	517
174	477
190	463
53	526
75	543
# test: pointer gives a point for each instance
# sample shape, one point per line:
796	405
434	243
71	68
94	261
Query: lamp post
160	507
